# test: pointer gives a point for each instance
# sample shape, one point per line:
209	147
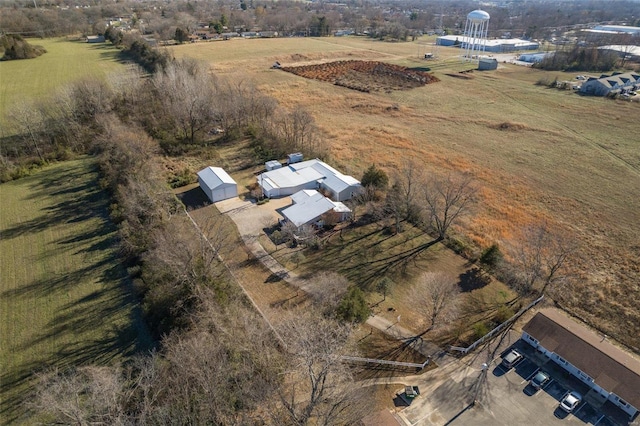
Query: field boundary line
236	279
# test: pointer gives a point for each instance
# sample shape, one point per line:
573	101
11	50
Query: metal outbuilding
296	157
217	184
272	165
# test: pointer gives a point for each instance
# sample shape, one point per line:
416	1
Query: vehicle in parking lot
570	401
539	380
512	358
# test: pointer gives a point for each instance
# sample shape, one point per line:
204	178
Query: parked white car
570	401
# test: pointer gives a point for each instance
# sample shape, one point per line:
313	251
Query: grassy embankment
537	153
64	62
64	297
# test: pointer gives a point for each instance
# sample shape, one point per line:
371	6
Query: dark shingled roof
610	367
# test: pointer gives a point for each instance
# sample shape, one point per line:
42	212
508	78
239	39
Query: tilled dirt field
365	76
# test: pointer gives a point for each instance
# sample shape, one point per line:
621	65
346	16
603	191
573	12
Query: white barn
217	184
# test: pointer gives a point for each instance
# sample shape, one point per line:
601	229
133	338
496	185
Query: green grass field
64	62
64	297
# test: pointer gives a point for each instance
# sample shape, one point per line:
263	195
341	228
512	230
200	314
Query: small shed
296	157
217	184
487	64
272	165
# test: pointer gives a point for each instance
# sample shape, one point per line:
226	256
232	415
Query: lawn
64	62
64	296
537	154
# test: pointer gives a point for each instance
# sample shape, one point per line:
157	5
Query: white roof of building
341	207
490	42
215	177
288	177
299	214
616	29
298	174
340	182
309	204
627	49
305	195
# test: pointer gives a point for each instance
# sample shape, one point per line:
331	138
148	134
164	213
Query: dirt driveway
251	218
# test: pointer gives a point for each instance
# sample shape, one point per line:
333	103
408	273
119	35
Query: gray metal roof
215	177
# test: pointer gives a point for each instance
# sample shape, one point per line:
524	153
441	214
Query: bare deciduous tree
187	91
327	289
401	198
318	388
435	296
540	257
447	200
87	395
29	123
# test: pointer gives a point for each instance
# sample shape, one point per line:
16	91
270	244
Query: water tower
475	31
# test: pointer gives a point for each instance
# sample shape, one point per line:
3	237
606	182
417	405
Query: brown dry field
570	160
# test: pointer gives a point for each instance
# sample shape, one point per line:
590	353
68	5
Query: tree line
530	19
217	361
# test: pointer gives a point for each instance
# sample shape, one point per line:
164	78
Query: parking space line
530	376
579	408
598	421
423	417
548	383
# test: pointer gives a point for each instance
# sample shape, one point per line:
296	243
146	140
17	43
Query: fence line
496	330
237	280
384	361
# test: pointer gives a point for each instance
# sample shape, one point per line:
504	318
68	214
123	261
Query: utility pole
481	379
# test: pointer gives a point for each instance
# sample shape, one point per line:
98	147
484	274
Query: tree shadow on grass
103	324
473	279
194	198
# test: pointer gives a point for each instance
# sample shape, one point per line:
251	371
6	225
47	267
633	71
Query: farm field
64	297
64	62
539	154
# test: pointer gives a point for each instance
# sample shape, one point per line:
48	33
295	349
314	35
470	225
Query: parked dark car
539	380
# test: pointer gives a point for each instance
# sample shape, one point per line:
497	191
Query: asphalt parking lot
504	397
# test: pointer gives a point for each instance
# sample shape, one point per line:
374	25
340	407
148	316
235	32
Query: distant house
614	83
95	39
217	184
268	34
309	206
229	35
311	174
613	376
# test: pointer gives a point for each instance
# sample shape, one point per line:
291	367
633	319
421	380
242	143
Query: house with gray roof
310	174
612	374
614	83
309	206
